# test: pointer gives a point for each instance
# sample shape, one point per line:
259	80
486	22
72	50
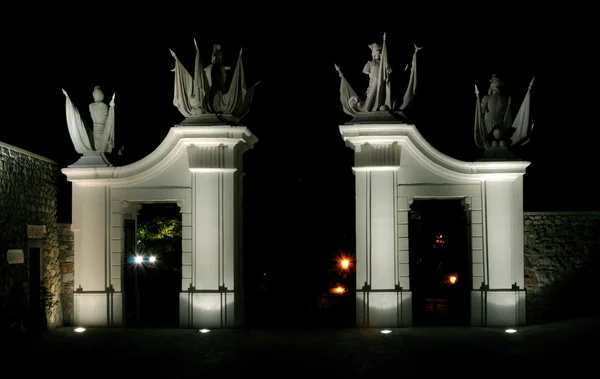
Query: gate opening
440	275
153	267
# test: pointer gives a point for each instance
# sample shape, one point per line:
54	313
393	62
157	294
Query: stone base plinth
378	117
498	154
210	119
383	309
207	309
98	309
91	161
498	308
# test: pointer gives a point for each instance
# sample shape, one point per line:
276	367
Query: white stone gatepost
214	297
395	166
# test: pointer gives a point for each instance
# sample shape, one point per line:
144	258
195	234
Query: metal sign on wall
36	231
15	256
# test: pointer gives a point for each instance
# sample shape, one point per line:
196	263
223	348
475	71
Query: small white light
204	330
386	331
152	259
138	259
510	331
79	330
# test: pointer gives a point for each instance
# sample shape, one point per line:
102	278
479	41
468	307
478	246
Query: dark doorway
37	293
440	276
153	267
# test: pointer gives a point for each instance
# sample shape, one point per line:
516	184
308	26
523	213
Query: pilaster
214	298
92	271
383	294
503	294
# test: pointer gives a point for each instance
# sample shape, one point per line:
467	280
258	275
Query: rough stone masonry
562	258
28	196
66	244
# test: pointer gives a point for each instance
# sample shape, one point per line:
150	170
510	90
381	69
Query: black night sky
299	187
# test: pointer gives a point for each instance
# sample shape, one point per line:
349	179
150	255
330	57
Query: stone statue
494	124
378	96
205	92
98	139
216	71
372	68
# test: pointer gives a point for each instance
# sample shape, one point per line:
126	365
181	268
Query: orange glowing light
452	279
338	290
345	262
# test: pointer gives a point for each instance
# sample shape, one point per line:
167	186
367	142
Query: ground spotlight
510	330
79	330
386	331
204	330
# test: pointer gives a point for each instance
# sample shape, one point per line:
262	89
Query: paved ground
335	353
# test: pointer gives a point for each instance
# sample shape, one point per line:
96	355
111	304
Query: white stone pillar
503	293
214	298
93	292
383	299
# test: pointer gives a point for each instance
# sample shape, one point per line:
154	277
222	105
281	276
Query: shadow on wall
562	262
573	294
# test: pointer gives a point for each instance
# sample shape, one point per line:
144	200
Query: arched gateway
199	167
396	170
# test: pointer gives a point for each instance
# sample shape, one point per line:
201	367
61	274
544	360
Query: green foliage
159	233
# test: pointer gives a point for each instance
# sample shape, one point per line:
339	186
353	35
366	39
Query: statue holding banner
378	96
205	93
494	124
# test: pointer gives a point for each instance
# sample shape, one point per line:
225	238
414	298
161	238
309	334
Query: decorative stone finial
103	132
98	94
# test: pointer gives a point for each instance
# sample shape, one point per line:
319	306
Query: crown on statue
496	79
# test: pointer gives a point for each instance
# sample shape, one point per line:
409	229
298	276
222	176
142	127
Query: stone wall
562	260
66	243
28	196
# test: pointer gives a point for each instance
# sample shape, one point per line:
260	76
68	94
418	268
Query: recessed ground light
204	330
386	331
510	331
79	330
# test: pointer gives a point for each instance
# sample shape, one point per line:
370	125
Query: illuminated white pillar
503	292
212	297
383	295
93	294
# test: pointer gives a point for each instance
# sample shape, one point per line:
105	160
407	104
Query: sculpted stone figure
378	96
494	124
206	92
102	132
372	69
496	111
216	71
